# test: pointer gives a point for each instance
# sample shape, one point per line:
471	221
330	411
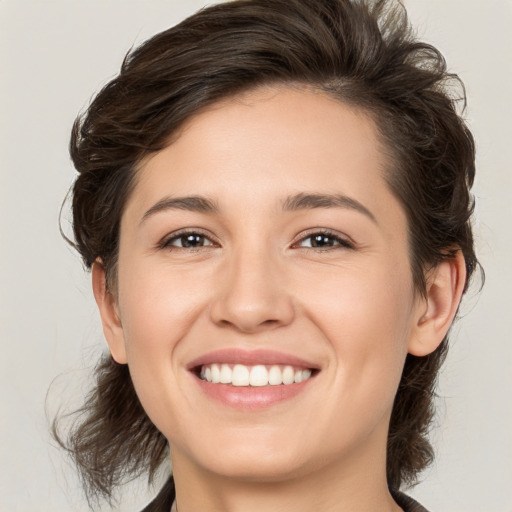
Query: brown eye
188	241
324	241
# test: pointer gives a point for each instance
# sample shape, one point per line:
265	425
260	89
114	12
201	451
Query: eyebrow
304	201
191	203
300	201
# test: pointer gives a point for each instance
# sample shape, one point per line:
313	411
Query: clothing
406	502
165	499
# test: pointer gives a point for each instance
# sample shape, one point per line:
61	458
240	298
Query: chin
268	460
258	468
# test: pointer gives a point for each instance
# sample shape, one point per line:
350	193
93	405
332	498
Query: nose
252	294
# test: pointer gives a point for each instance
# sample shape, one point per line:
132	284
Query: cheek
157	308
366	317
370	301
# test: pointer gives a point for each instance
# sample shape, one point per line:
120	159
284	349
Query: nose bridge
253	294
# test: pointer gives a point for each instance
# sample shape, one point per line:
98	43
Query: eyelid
164	242
345	242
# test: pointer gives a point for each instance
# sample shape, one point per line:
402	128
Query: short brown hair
361	52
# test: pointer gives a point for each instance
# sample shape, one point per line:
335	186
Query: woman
273	197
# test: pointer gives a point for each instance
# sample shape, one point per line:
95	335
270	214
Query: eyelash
166	242
341	243
338	241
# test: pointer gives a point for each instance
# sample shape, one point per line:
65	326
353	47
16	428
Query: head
360	57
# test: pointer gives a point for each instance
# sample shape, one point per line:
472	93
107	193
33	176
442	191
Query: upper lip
251	358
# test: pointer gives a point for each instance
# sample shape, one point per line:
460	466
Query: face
265	245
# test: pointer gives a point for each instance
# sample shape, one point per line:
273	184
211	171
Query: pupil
322	241
191	240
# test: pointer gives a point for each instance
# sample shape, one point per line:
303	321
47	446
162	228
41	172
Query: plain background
53	56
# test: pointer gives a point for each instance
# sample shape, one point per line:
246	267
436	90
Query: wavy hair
363	53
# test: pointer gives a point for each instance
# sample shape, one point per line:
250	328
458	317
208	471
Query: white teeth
225	374
288	375
256	376
306	374
240	375
301	375
215	373
275	376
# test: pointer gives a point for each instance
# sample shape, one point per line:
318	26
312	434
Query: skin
254	282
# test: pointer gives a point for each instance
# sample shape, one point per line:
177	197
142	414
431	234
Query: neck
359	484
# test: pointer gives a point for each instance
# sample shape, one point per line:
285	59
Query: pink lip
248	398
250	358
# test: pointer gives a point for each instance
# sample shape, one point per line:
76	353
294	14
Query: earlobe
436	311
109	313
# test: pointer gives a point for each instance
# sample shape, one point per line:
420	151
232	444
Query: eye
187	240
324	240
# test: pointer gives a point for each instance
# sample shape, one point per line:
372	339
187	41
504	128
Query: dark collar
163	501
165	498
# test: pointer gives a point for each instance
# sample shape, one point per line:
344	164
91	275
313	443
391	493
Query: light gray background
53	56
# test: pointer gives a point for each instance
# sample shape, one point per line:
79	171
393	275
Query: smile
256	376
252	380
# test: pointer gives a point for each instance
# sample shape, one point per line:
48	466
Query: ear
437	310
109	312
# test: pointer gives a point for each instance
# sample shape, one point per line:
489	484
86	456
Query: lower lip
249	397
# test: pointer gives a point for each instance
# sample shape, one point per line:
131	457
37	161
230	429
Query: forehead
278	136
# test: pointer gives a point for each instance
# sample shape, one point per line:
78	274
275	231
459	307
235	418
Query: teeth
275	376
256	376
288	375
215	373
240	375
225	374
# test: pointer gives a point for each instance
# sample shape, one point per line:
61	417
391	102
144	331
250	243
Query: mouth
259	375
251	380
